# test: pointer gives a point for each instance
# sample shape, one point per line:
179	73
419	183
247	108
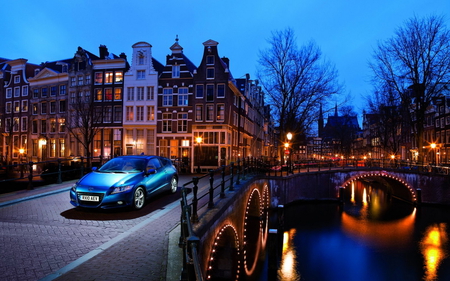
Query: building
140	101
175	108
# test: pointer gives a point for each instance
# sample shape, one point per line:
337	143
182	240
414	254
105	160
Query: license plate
89	198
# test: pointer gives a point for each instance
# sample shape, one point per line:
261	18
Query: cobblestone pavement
42	237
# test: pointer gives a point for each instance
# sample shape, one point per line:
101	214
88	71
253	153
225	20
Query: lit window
220	112
117	93
119	77
150	113
108	94
109	77
209	112
198	113
129	113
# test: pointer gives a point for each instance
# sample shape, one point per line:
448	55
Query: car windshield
123	165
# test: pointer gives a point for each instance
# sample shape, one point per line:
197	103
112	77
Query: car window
154	163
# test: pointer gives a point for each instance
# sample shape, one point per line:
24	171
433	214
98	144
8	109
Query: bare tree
414	63
297	80
83	123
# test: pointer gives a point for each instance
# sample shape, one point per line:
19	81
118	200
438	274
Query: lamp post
289	137
198	140
21	151
433	146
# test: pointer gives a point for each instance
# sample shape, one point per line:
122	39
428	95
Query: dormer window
16	79
141	58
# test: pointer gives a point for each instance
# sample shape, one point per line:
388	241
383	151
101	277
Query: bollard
194	217
30	176
222	184
231	176
211	189
59	180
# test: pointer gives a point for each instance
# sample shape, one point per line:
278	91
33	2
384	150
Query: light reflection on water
371	238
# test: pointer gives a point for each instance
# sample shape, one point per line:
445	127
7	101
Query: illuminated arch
224	259
252	232
383	174
265	205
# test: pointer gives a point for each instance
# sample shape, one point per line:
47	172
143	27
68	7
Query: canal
372	236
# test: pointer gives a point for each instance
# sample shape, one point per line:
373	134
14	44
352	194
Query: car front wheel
173	185
138	198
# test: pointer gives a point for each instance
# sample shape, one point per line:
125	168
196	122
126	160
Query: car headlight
74	187
121	188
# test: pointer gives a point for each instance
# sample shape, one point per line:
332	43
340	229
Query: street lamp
198	140
289	137
21	151
433	146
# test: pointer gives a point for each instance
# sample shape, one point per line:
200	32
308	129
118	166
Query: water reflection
288	265
432	247
372	237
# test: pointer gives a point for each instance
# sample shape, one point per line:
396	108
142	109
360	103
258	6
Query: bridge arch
225	255
384	175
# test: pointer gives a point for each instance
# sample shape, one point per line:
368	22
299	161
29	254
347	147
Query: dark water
371	237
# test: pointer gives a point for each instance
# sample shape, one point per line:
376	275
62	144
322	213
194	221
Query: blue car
125	181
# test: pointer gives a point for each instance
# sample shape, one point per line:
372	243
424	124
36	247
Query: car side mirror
150	171
94	169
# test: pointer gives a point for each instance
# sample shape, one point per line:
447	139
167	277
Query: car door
157	180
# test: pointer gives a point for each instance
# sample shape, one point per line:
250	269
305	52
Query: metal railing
46	172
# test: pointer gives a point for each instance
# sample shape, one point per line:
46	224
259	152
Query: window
220	112
8	107
221	91
117	114
88	79
119	77
16	106
109	75
150	113
182	122
16	124
150	93
53	126
175	71
108	94
62	90
167	97
24	91
73	81
140	93
210	73
9	93
198	113
62	106
35	93
107	114
24	105
44	108
140	74
167	122
80	80
199	91
129	113
117	93
16	79
62	148
53	91
139	113
7	124
44	92
209	92
17	91
141	59
98	95
130	93
209	112
210	60
34	108
183	96
43	126
52	107
98	78
34	127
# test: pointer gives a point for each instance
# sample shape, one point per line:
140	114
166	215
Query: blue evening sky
345	30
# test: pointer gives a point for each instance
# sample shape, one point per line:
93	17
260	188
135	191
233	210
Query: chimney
103	51
226	61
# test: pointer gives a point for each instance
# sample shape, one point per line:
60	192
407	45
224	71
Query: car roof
138	156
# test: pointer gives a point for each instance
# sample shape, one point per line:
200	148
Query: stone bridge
234	233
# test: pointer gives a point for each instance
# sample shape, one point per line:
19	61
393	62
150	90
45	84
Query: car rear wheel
138	198
173	185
